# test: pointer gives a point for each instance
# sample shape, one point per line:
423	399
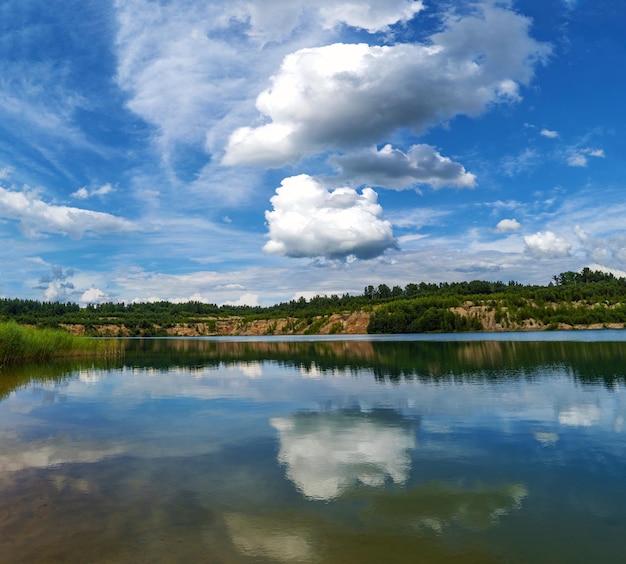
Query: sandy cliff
354	323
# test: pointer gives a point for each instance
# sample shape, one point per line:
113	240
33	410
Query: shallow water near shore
407	449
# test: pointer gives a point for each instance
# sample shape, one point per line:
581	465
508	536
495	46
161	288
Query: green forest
570	299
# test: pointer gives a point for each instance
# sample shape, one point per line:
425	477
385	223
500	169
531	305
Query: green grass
19	343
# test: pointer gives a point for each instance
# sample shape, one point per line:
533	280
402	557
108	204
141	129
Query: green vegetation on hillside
571	298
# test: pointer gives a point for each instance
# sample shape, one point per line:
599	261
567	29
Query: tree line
575	298
571	299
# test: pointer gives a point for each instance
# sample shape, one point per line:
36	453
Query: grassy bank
25	344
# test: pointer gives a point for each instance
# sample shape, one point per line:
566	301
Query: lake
448	448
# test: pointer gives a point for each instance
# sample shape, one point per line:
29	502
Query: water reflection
326	453
277	540
585	415
546	439
318	452
439	505
18	455
394	360
407	522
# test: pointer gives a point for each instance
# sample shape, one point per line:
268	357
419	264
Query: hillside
355	323
571	301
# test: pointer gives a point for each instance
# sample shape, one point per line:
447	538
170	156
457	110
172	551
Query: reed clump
19	343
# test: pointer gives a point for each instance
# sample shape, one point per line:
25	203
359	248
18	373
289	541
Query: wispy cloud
580	157
37	217
549	133
85	193
522	162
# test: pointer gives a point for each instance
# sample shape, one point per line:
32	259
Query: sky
250	152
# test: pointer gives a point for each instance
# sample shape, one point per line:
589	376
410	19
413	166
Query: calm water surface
355	450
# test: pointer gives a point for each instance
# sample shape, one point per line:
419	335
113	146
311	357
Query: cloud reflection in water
326	453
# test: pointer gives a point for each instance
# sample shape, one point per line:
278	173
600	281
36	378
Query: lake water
432	449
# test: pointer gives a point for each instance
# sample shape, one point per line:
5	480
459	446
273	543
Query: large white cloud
392	168
193	69
37	217
546	244
308	220
344	95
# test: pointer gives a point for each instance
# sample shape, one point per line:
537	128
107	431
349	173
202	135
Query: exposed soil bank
354	323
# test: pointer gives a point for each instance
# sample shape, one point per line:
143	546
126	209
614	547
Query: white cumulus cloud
92	296
183	63
508	226
344	95
392	168
308	220
546	244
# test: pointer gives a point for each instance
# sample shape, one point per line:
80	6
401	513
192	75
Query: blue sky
250	152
